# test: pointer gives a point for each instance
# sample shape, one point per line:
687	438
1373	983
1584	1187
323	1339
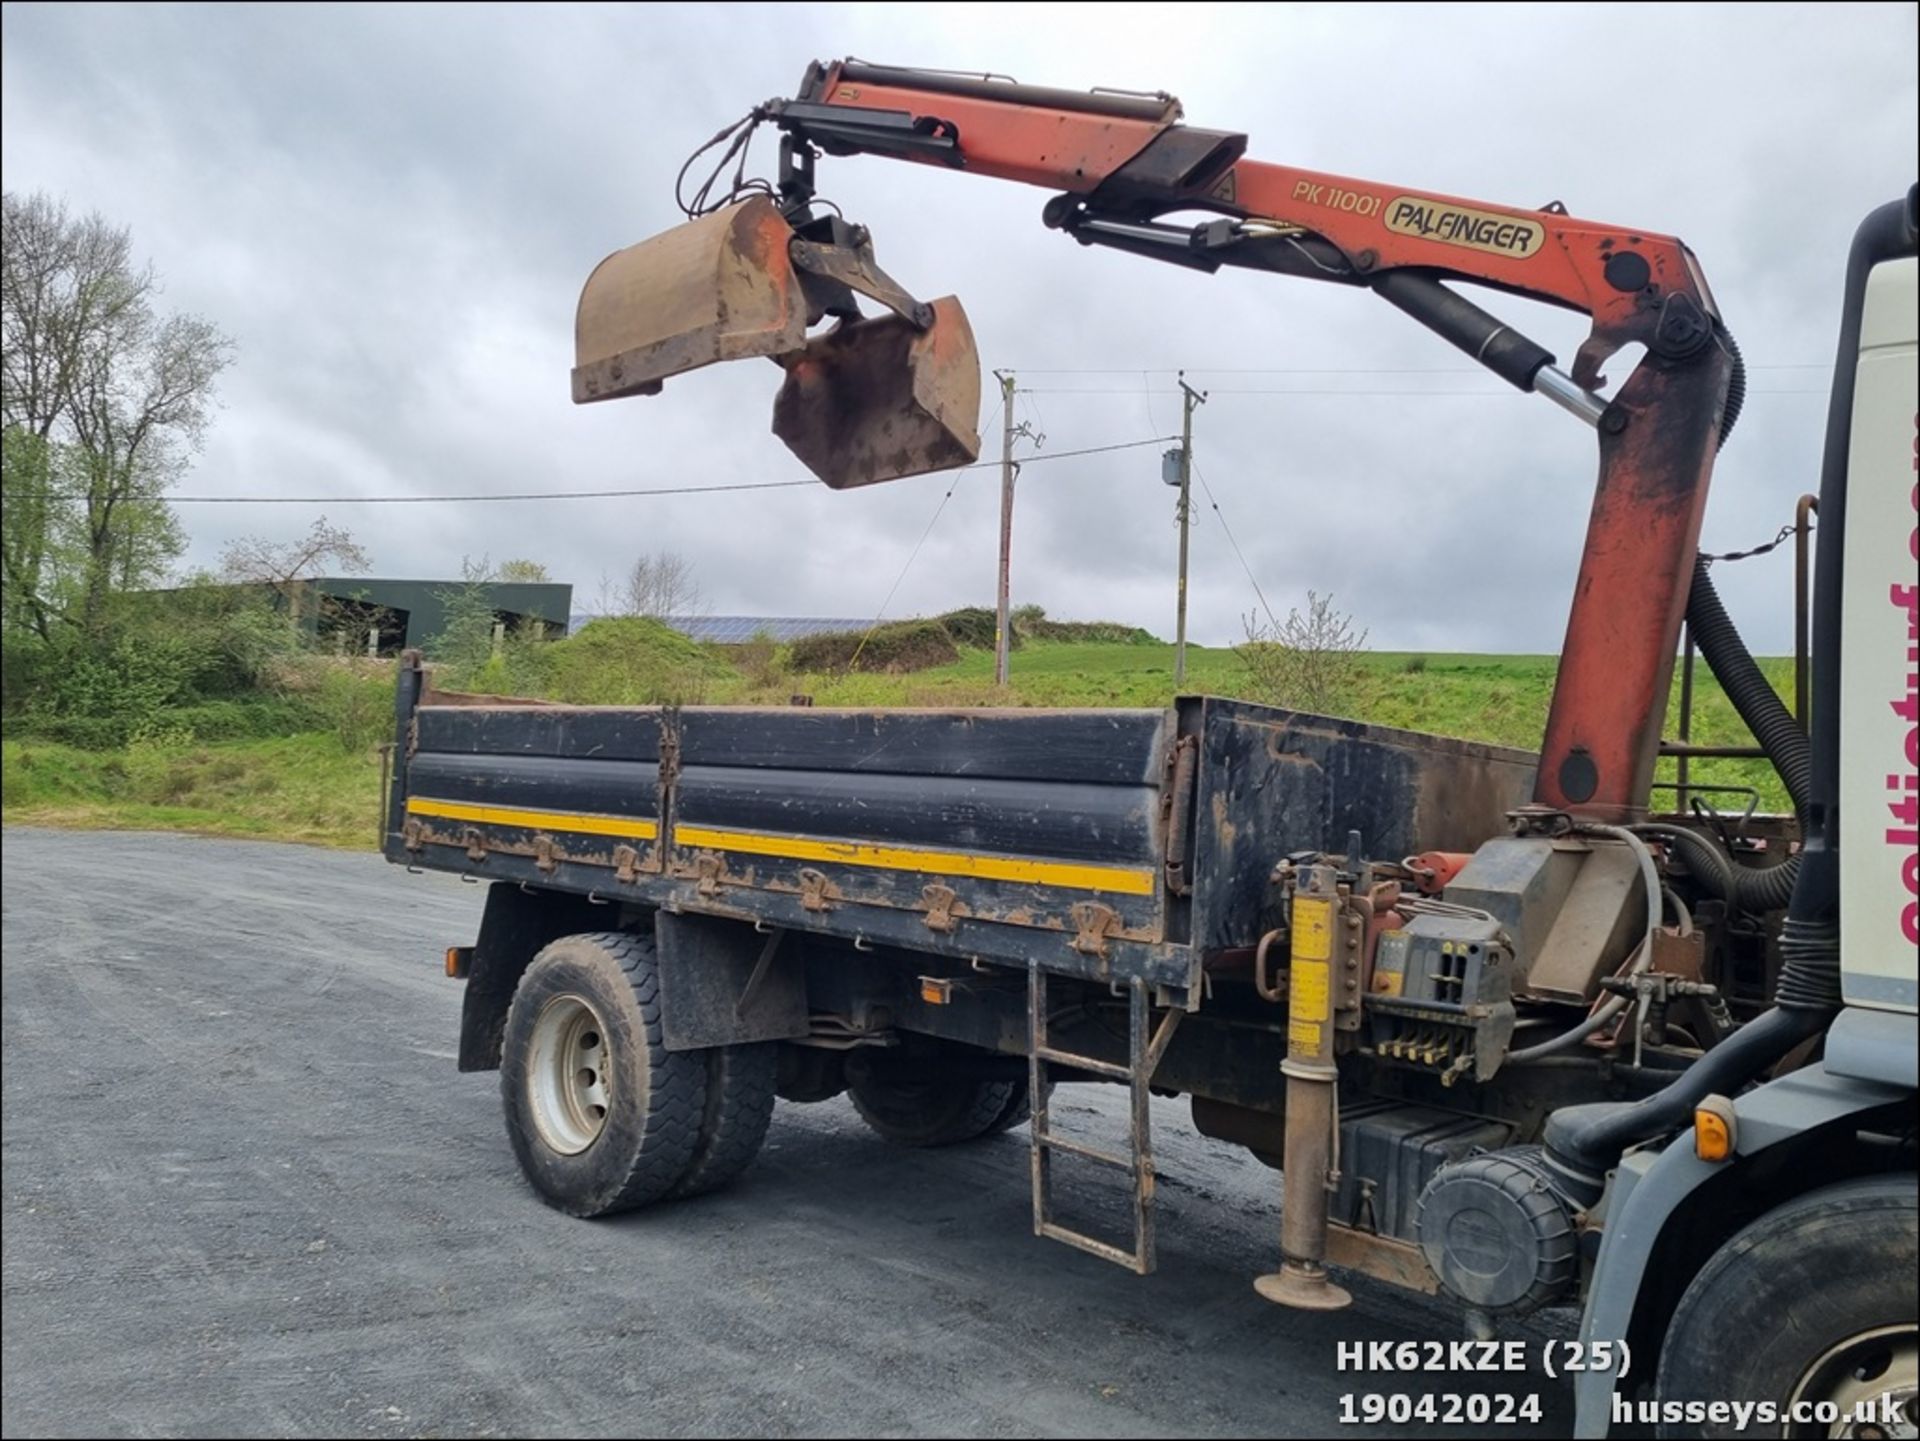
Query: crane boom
1121	164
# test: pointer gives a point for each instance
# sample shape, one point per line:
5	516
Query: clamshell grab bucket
878	399
866	401
717	288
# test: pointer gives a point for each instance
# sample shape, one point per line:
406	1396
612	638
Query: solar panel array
739	629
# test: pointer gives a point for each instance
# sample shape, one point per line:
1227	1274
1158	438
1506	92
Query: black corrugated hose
1780	736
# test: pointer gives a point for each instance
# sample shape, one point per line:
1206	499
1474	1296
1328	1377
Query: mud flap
722	983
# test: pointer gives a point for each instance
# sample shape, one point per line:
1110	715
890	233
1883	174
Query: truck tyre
1018	1110
1839	1262
934	1111
601	1116
739	1107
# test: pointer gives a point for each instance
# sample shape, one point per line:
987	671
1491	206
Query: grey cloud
392	210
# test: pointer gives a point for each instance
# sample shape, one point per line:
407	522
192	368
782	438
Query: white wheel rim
1861	1369
569	1089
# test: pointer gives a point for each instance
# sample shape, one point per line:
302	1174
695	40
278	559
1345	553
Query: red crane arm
1133	151
1119	162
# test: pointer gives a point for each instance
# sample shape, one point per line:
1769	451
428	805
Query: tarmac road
246	1192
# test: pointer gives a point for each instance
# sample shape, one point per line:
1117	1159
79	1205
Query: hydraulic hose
1780	736
1752	695
1587	1140
1591	1138
1736	382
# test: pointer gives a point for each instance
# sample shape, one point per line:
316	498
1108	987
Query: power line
422	499
1236	545
914	555
552	494
1329	390
1324	369
1146	400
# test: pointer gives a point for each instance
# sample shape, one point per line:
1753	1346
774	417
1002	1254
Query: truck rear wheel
602	1117
933	1110
739	1108
1018	1110
1839	1264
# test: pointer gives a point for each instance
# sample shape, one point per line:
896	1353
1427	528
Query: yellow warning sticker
1312	928
1303	1036
1309	984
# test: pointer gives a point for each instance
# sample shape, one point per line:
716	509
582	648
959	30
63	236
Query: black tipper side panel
1275	781
1099	747
1009	835
1020	814
589	732
592	761
600	787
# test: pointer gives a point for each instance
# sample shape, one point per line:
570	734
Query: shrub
87	733
1414	665
1307	662
250	718
759	660
1101	632
898	646
465	643
356	703
973	626
625	660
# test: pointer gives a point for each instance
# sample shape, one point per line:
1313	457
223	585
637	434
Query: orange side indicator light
1713	1129
459	959
936	990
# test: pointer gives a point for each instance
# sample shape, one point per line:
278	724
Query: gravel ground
246	1192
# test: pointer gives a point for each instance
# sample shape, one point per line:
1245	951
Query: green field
318	787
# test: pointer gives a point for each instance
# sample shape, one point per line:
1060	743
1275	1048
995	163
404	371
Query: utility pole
1189	397
1003	621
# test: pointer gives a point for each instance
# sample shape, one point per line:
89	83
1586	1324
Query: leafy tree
103	400
26	463
522	572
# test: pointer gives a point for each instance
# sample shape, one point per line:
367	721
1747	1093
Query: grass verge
323	787
293	788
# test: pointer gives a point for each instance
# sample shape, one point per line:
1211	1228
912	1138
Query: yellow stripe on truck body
579	823
1071	875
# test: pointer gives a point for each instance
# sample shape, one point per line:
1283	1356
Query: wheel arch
1669	1211
517	922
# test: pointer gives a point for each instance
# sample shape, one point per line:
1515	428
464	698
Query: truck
1510	1032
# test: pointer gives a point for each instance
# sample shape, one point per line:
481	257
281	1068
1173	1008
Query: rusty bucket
863	402
717	288
878	399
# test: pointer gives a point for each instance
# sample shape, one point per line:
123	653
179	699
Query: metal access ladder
1143	1059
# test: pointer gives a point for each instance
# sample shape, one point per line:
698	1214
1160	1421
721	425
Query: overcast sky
392	210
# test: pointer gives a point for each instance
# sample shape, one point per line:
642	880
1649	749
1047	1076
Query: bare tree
287	566
1307	662
660	585
111	396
